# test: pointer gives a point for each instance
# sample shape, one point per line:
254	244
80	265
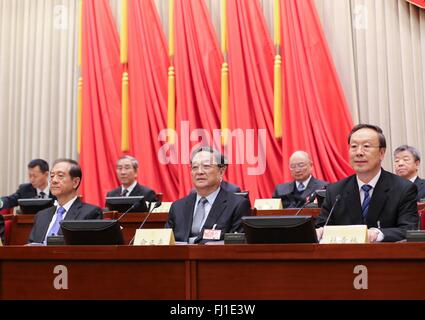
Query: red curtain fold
316	117
251	57
147	66
101	115
197	62
315	114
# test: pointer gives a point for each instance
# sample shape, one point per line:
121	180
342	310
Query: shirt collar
130	188
211	197
67	205
413	179
305	182
45	190
372	182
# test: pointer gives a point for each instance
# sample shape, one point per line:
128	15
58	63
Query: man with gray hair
211	211
127	167
407	160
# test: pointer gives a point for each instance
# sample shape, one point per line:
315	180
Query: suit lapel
310	188
188	209
49	217
351	200
217	209
137	190
379	198
73	211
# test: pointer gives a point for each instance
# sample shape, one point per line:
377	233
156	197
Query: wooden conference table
303	271
22	223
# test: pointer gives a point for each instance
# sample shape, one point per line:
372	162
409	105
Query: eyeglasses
365	147
203	167
301	165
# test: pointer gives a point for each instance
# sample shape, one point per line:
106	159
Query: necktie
365	205
55	227
41	195
301	187
124	193
198	217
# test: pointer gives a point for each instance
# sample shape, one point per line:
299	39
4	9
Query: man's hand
373	234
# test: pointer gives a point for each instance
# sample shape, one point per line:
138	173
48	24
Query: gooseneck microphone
337	198
157	204
308	200
134	205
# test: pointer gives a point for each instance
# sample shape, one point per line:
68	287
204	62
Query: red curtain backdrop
101	117
147	67
315	114
198	63
251	97
419	3
316	117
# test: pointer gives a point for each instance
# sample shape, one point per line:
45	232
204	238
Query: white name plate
154	237
164	207
268	204
345	234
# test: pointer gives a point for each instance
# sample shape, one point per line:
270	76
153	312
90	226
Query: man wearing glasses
211	211
294	193
383	201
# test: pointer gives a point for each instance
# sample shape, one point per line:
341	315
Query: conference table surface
22	223
292	271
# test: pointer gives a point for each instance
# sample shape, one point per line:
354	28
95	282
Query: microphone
157	204
134	205
308	200
338	197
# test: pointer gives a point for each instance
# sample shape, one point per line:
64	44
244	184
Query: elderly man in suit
211	207
407	161
127	167
65	179
38	173
294	193
383	201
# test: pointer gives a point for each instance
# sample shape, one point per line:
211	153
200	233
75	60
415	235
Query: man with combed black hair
65	179
38	173
383	201
211	207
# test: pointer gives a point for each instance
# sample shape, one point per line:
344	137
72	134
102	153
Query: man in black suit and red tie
65	178
383	201
407	161
211	207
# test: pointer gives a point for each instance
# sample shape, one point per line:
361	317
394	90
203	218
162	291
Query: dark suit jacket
78	211
393	204
226	211
291	199
420	183
138	190
25	191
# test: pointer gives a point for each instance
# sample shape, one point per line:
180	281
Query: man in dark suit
65	179
127	167
212	209
407	161
383	201
38	173
295	193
